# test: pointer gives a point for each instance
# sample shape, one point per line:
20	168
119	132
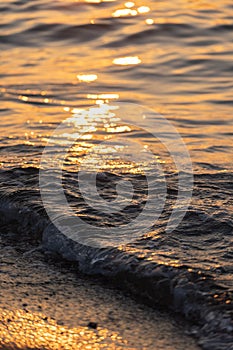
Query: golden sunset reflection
117	129
175	82
103	96
143	9
129	4
130	10
149	21
152	256
100	138
127	61
87	78
124	13
23	98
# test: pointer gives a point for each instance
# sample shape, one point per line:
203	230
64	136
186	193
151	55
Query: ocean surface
77	61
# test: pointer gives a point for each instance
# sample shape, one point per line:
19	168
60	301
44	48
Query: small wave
223	28
222	102
56	32
177	30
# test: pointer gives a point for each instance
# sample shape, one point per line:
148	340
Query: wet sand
47	304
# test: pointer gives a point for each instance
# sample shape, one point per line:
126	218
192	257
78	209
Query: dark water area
59	59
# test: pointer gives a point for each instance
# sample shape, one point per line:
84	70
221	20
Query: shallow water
60	57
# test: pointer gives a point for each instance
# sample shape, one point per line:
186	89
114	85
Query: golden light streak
124	13
87	78
24	98
149	21
143	9
118	129
126	61
129	4
103	96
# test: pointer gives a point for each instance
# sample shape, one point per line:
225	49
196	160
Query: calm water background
183	66
173	56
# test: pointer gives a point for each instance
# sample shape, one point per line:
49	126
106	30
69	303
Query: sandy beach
47	304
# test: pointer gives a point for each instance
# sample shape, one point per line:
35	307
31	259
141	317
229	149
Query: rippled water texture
176	57
173	56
